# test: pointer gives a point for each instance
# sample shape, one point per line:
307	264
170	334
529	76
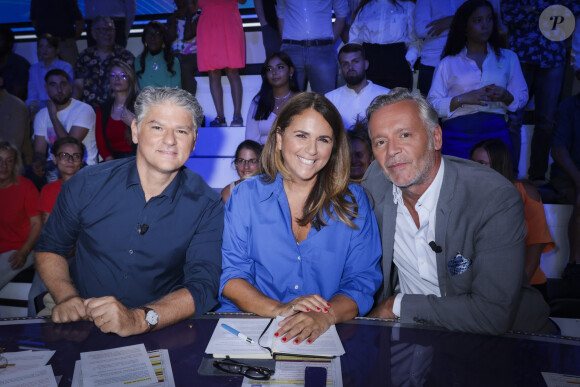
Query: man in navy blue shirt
148	231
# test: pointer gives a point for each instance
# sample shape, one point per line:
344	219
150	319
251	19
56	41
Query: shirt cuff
397	305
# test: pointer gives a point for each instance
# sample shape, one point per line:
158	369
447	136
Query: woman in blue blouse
299	240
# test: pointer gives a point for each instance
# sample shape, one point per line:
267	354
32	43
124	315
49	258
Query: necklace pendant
155	66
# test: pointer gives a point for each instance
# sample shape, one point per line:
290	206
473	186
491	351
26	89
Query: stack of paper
130	365
27	368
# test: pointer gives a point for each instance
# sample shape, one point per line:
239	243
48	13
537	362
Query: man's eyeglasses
118	76
76	157
232	366
244	162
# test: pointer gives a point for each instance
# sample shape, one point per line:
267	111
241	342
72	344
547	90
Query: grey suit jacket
480	214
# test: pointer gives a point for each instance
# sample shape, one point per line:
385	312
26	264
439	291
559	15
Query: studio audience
20	223
114	117
247	163
477	81
278	86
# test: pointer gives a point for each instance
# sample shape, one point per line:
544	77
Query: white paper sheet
26	377
118	366
159	360
560	380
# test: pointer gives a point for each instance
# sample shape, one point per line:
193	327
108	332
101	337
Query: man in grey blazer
453	251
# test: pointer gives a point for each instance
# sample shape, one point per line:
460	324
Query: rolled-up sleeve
362	273
203	258
235	260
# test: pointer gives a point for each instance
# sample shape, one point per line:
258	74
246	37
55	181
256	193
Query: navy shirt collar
169	191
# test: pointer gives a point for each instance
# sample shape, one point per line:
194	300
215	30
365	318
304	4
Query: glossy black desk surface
377	353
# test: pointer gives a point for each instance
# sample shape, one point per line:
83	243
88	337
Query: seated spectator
91	84
495	154
278	86
139	206
63	20
63	116
476	82
15	126
20	222
361	150
352	99
453	233
13	67
47	52
247	162
114	117
322	229
156	66
386	29
68	154
565	173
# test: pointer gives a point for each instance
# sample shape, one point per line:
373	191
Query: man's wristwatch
151	317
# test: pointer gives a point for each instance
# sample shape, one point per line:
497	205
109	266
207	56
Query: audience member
432	22
476	81
361	150
63	20
182	31
47	50
121	12
63	116
356	95
266	11
114	117
278	86
156	65
326	239
221	46
308	37
20	222
91	84
137	204
565	172
247	162
68	154
386	29
495	154
15	126
453	233
543	61
13	67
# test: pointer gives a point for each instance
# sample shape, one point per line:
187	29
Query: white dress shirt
309	19
459	74
416	261
380	22
351	104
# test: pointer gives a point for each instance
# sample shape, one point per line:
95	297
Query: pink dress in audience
220	36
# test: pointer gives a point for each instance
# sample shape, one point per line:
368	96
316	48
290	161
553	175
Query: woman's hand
310	303
498	94
474	97
305	326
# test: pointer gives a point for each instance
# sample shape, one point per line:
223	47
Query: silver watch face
152	317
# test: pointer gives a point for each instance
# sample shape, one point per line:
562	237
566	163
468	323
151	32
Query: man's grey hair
151	96
426	112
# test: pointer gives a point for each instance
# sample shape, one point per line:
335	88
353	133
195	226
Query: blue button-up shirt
259	246
100	209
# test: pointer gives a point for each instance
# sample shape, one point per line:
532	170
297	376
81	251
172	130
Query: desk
377	353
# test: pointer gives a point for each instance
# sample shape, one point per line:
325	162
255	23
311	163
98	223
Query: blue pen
237	333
